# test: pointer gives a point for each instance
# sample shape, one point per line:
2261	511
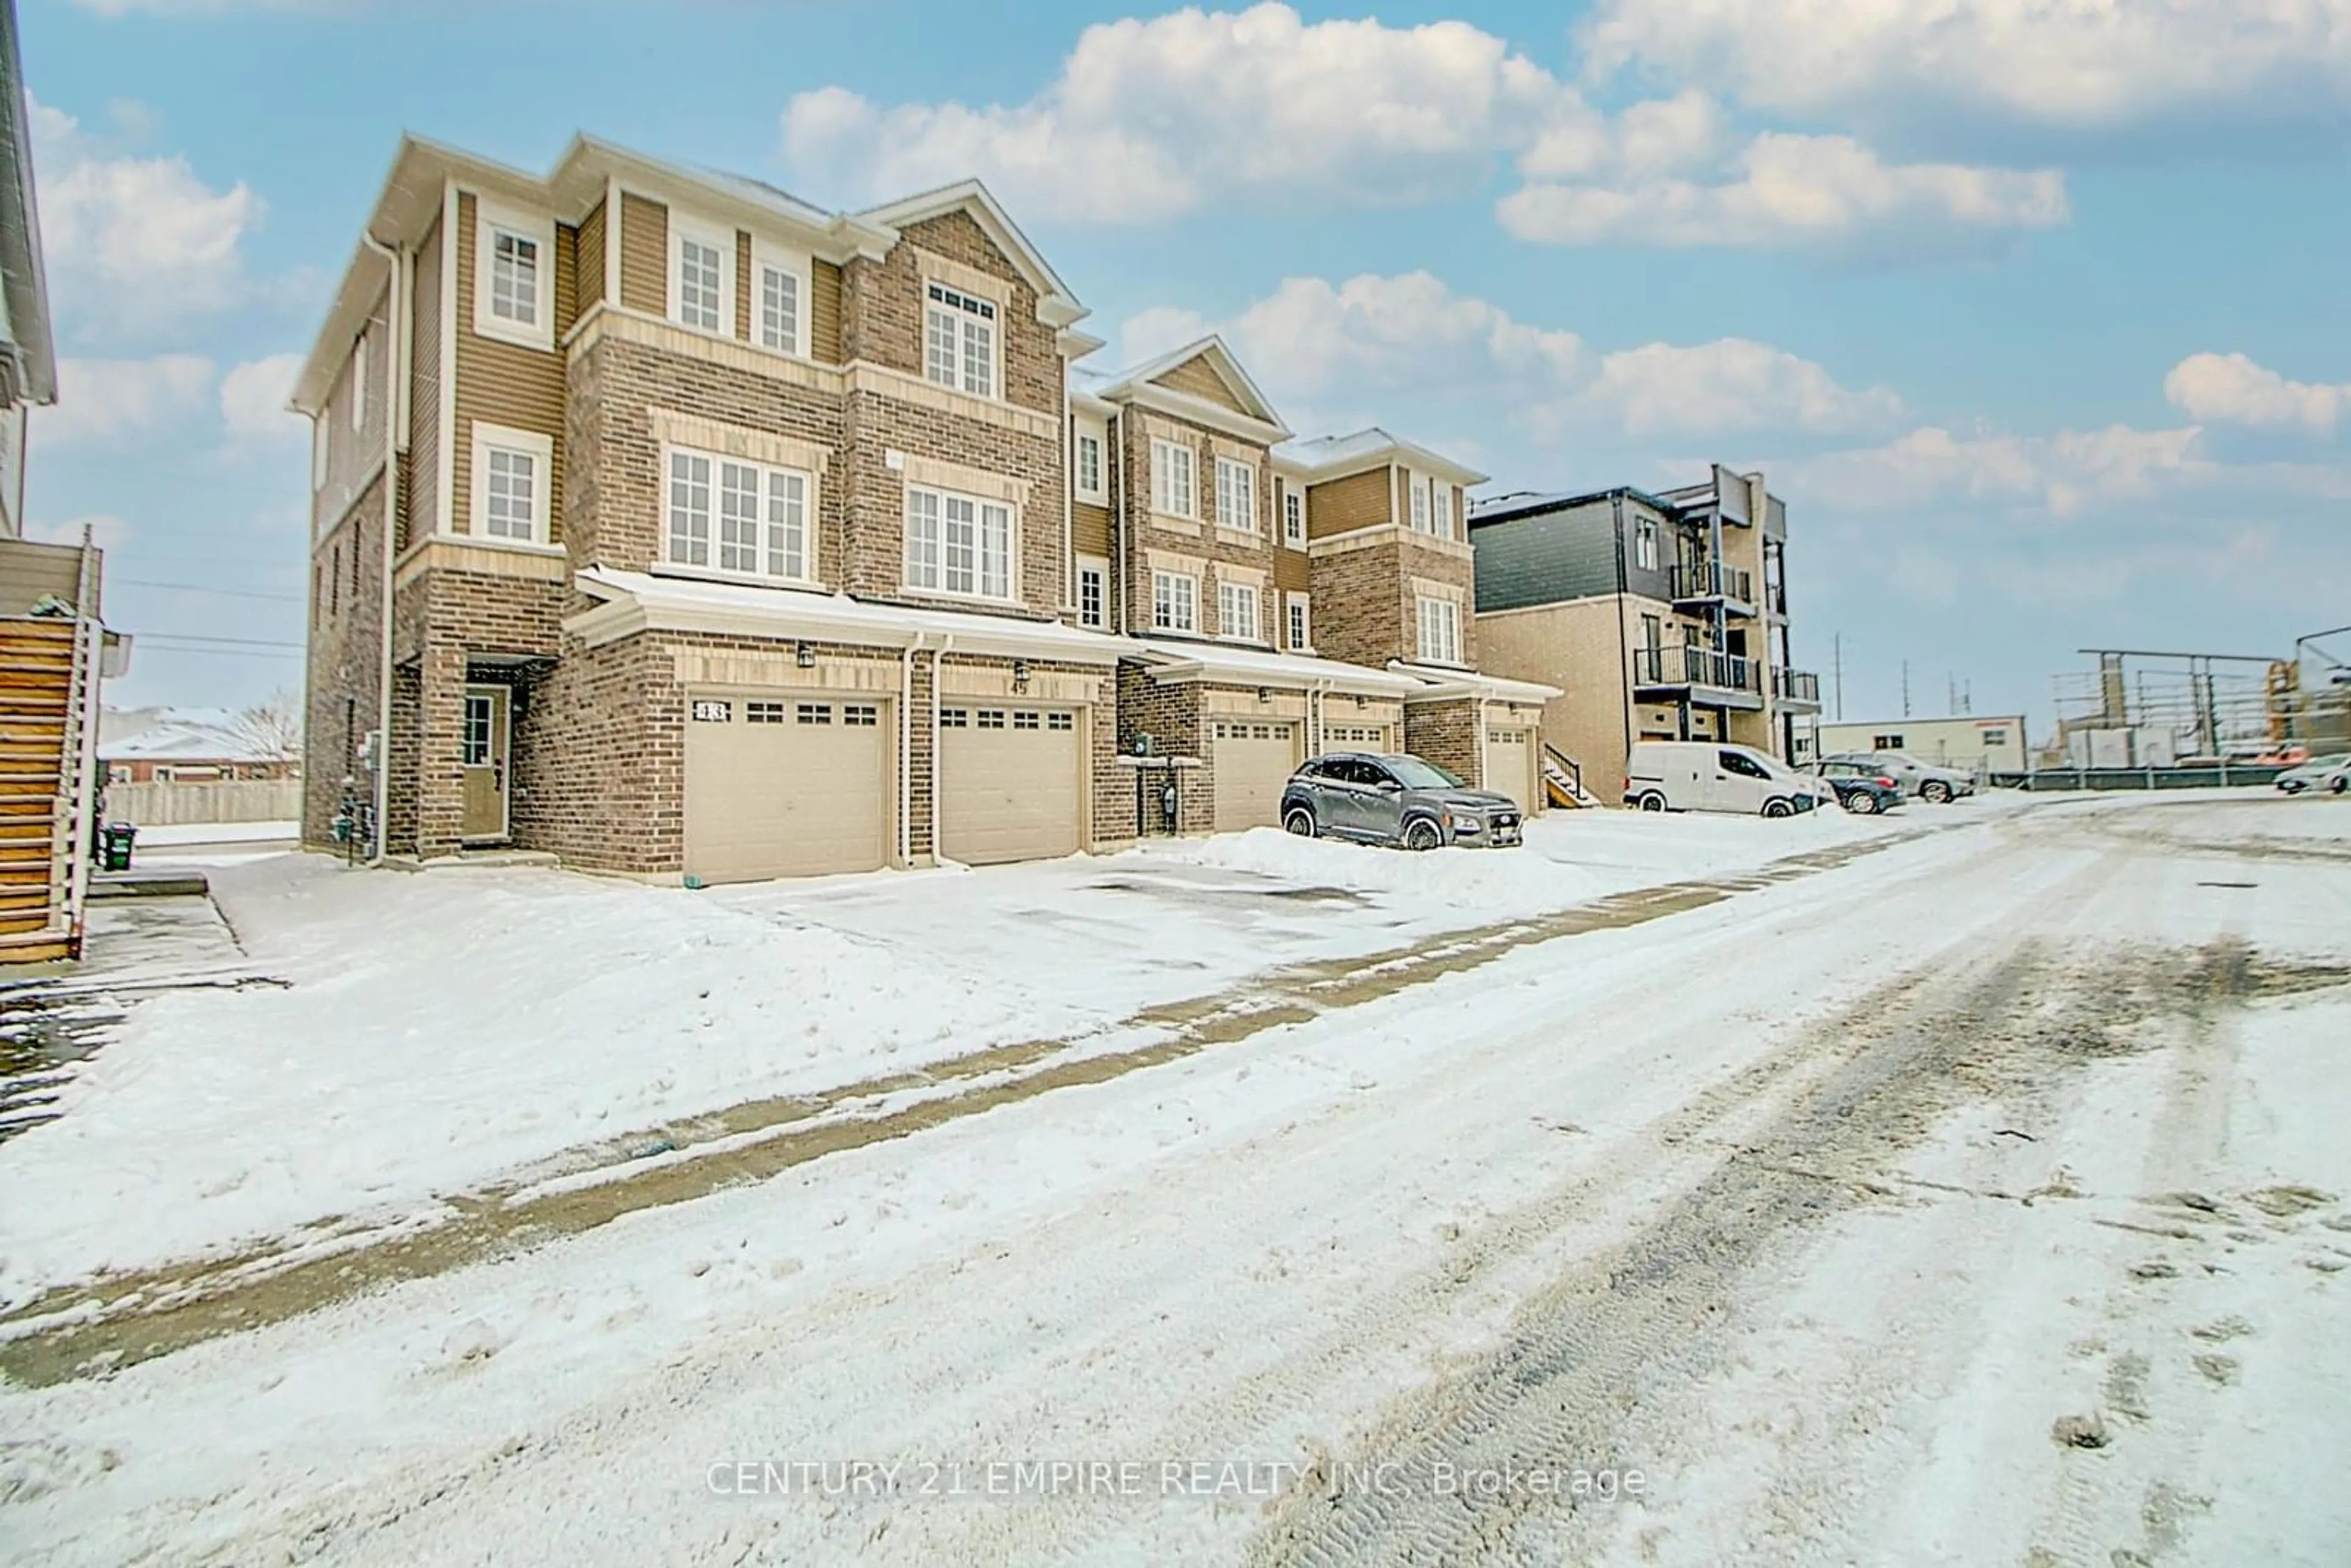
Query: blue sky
2034	315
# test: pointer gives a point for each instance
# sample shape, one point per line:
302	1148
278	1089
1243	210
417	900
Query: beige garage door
1510	764
1253	759
1357	738
781	786
1009	785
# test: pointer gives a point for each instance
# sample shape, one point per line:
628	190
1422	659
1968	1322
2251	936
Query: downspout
1623	633
907	746
1068	498
392	370
938	657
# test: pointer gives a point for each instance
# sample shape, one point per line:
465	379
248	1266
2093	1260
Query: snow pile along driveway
442	1027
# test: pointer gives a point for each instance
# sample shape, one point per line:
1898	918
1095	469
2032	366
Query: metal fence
2204	776
171	805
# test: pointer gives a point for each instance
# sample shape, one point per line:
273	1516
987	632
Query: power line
224	652
198	587
167	637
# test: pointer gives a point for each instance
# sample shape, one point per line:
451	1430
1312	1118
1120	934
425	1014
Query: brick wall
883	303
1447	733
1171	716
1366	609
1140	534
343	678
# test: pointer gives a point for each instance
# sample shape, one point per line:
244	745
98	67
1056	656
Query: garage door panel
1253	760
1510	765
779	787
1010	784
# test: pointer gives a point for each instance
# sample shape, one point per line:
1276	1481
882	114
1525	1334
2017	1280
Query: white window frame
1416	501
937	573
766	257
1440	499
1299	630
1293	515
771	487
1236	482
321	430
540	450
1164	500
1645	543
1188	600
1230	597
1099	568
359	382
962	307
1439	622
1097	432
490	221
719	237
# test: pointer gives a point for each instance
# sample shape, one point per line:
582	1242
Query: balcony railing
1713	579
1691	666
1796	686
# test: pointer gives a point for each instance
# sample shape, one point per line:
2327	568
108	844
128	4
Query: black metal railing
1694	666
1796	685
1713	579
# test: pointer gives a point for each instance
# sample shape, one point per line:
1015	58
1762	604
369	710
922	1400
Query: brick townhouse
677	529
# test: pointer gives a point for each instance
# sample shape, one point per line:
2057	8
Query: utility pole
1906	688
1836	671
1950	691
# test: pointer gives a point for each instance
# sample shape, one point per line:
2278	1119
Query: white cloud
1152	118
253	400
136	244
2062	63
106	401
1351	352
1726	386
2231	389
2061	473
1782	189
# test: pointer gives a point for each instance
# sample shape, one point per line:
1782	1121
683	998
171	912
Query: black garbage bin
114	846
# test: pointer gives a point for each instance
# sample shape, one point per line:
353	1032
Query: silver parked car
2331	773
1393	798
1927	780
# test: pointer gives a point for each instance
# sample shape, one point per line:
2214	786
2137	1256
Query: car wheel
1300	822
1778	809
1420	834
1861	803
2339	784
1652	801
1935	792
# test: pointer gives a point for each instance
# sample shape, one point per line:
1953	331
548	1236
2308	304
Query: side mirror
1389	787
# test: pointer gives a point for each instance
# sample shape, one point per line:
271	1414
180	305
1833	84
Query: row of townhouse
677	529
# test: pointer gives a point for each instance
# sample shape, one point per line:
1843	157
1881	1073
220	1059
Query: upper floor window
1417	489
1094	593
1441	496
745	518
358	383
512	286
1301	622
958	544
1293	516
512	473
1171	480
702	276
959	340
1174	601
1645	543
1237	611
1236	496
1440	632
1089	465
779	309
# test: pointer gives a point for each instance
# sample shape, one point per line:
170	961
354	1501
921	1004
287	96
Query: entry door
488	715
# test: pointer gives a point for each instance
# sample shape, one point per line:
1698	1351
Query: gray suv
1934	784
1394	799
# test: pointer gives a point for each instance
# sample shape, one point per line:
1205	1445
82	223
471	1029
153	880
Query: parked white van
1710	776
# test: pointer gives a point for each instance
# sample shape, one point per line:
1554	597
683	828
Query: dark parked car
1861	790
1394	799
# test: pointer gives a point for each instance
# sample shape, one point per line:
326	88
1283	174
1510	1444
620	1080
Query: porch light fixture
1019	674
1264	695
804	656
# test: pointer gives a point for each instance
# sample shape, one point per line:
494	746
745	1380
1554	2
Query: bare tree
273	727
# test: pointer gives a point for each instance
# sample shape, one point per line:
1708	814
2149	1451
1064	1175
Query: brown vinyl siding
567	280
742	285
423	498
644	254
1343	505
1292	573
1199	379
1090	530
824	313
589	270
500	383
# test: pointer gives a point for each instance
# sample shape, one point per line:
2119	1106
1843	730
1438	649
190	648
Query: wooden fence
229	800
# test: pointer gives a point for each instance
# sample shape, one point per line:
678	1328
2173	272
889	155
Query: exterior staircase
48	743
1563	780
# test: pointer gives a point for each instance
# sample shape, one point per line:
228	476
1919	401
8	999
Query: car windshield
1415	774
2337	760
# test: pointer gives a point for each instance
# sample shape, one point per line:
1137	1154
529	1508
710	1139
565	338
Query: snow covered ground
1979	1200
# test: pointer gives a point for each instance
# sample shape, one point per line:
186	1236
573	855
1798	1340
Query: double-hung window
1293	516
1416	488
1174	601
958	544
512	484
1093	593
1441	494
359	385
745	519
1171	480
779	302
514	276
1237	612
959	340
1441	631
1645	543
1301	622
1236	496
1088	463
702	276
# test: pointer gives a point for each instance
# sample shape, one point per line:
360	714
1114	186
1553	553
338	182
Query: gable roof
1055	305
1335	456
1140	383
